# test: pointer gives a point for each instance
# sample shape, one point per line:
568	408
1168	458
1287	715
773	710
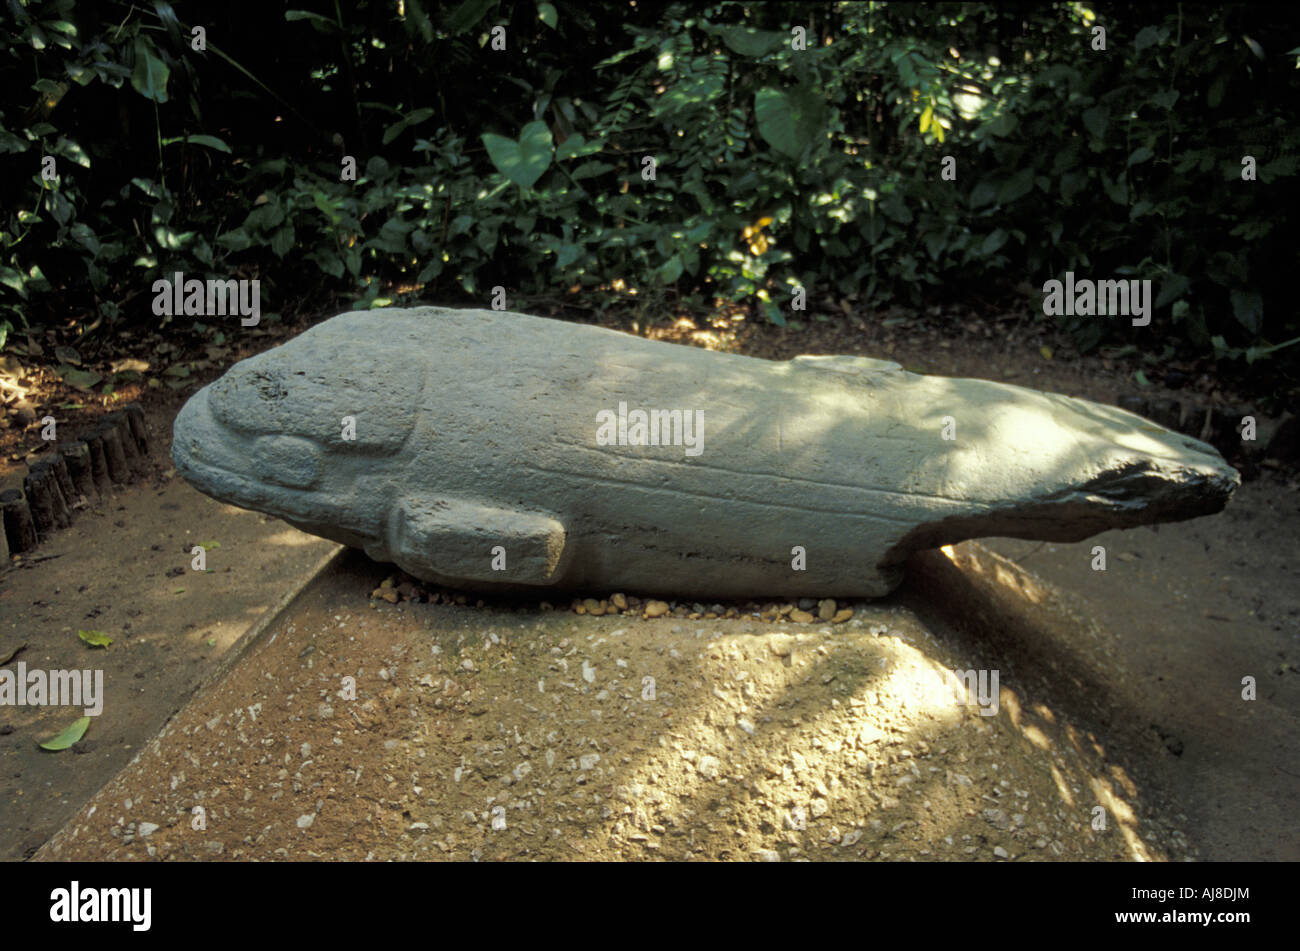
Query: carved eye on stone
290	461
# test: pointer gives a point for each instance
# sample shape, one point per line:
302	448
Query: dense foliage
774	167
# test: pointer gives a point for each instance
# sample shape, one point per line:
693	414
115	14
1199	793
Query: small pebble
656	608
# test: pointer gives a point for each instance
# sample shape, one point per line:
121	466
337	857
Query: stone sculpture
494	450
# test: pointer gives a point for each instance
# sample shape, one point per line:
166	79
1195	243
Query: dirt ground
1193	608
1135	713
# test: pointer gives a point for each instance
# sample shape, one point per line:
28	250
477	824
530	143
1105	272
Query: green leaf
1140	155
80	379
150	188
69	736
993	242
1215	95
1016	187
13	278
79	74
525	161
150	75
282	241
394	130
210	141
416	116
1141	378
592	169
1280	167
1095	120
934	243
328	262
1248	308
1174	287
467	14
1165	98
748	41
1003	125
60	208
567	254
671	269
570	147
323	24
236	240
985	193
95	638
546	13
1254	353
328	210
1147	36
895	208
431	270
789	121
1116	190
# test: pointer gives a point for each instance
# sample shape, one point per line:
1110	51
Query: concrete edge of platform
238	651
253	636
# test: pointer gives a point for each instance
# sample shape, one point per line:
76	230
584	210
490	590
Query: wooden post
98	465
49	508
135	420
19	529
114	455
76	455
70	494
130	451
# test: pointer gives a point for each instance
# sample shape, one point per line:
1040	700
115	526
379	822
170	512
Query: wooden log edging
110	454
20	530
76	455
49	507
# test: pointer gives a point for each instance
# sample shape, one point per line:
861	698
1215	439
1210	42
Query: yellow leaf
938	131
926	117
1046	352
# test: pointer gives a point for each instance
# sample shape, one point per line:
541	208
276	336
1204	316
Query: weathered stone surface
477	434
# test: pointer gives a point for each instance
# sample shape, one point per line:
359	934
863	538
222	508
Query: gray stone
477	436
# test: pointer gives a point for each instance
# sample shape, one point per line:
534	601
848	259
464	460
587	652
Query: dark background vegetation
775	167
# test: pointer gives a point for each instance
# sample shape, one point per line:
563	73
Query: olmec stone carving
497	450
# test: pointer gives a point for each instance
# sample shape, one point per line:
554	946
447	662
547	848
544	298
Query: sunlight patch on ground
293	538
